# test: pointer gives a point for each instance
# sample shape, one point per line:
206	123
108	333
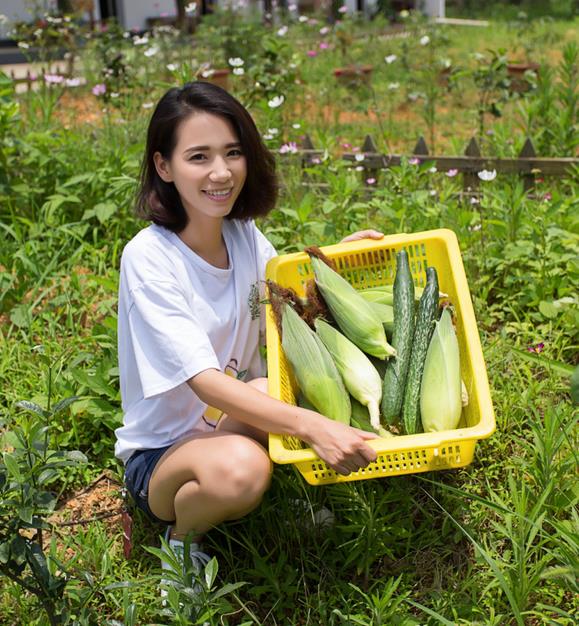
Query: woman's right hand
343	448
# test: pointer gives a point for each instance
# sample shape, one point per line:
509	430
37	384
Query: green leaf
211	570
12	466
104	211
63	404
25	513
548	309
27	405
575	386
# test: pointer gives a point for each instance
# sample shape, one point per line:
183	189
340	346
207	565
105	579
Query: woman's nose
220	170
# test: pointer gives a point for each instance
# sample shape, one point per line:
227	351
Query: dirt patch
74	109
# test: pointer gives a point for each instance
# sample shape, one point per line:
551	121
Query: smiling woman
190	324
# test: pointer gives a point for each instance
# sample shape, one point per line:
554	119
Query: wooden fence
527	165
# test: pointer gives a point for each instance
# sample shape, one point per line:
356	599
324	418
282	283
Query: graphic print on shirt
212	415
253	303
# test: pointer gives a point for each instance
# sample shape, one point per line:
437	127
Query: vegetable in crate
359	375
313	367
440	390
384	294
396	372
423	328
360	418
355	317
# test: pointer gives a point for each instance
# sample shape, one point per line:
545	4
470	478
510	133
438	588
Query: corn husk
359	375
441	388
355	317
313	367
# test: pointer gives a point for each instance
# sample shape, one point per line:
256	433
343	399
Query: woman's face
207	166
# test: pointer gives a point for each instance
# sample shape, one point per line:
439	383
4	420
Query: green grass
492	543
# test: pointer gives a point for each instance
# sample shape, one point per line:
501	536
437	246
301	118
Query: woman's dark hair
159	201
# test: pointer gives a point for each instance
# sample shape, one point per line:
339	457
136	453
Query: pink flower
312	53
289	148
414	161
538	348
346	145
324	45
53	79
452	173
316	161
99	90
371	181
343	9
547	197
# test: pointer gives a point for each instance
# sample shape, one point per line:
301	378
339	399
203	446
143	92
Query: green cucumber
425	319
397	369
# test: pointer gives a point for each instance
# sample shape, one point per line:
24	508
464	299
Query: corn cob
355	317
315	371
359	375
440	390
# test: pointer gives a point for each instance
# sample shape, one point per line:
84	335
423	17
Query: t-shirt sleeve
170	345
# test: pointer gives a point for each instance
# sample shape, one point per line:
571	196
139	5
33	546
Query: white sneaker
174	561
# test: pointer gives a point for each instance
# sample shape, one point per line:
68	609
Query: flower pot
516	72
354	75
219	77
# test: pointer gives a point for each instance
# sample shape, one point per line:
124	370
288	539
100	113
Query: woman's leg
209	478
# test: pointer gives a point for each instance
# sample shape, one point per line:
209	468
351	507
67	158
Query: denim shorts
138	470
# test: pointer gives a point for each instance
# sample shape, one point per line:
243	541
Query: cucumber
397	369
425	319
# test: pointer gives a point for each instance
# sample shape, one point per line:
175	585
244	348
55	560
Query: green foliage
493	543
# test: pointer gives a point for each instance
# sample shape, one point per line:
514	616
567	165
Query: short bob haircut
159	201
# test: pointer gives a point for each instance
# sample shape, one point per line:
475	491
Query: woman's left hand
363	234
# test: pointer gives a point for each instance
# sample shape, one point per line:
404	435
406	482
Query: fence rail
527	164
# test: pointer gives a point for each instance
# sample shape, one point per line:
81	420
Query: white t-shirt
178	315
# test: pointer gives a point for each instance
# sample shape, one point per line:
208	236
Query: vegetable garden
492	543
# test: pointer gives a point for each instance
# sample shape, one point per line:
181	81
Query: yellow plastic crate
369	263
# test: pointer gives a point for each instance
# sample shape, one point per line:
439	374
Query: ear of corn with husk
441	387
359	375
315	371
354	315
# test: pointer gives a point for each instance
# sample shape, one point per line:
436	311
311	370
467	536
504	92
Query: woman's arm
343	448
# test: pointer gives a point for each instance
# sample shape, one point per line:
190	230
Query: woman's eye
197	157
235	152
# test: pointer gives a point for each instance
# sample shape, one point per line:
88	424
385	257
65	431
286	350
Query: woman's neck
205	238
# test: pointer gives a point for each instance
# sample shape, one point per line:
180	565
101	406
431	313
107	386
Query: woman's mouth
218	195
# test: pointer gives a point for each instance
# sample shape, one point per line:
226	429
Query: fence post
369	147
470	179
420	149
528	151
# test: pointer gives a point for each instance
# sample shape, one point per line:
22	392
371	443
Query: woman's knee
244	469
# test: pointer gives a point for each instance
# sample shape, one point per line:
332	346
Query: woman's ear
162	167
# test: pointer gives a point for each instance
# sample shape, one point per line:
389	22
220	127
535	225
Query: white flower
38	32
360	168
393	86
296	126
191	8
282	32
268	136
303	18
433	170
359	158
276	102
273	131
404	13
236	62
53	79
114	94
207	73
424	41
292	7
324	30
73	82
141	41
390	58
172	67
23	45
147	105
487	175
238	71
152	51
